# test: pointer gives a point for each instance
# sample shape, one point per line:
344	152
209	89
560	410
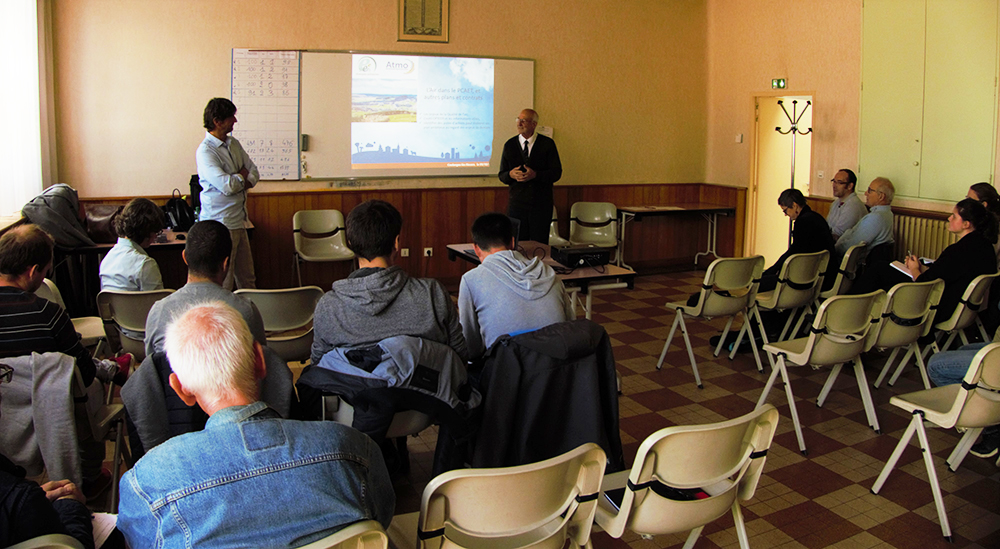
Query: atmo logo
399	65
367	64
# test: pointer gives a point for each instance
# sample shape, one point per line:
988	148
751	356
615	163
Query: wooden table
581	279
710	212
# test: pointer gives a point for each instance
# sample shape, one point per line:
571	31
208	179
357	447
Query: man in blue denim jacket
250	478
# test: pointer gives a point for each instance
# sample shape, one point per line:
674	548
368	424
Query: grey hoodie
373	304
509	294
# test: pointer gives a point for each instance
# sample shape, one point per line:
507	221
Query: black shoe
730	339
987	445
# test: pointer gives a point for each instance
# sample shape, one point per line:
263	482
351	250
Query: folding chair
725	460
49	541
972	405
538	505
594	223
799	283
838	335
367	534
287	310
319	236
90	328
729	287
966	314
124	316
908	316
847	271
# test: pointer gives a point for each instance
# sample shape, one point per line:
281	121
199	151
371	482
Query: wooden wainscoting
437	217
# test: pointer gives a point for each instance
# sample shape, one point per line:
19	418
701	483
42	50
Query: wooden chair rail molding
437	217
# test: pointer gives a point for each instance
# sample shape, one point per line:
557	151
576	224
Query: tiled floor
815	501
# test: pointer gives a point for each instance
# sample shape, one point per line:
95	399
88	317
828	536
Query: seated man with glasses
847	209
876	227
810	233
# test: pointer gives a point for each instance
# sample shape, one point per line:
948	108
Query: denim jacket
253	479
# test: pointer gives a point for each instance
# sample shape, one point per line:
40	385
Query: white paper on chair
104	524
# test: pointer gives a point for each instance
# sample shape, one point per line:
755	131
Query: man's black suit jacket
531	201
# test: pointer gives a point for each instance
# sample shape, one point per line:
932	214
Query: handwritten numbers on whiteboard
268	112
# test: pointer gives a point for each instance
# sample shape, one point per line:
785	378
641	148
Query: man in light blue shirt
225	172
250	478
876	227
847	209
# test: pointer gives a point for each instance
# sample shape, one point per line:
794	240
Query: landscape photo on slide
414	111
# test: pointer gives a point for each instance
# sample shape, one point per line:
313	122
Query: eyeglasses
6	373
839	182
784	210
525	120
871	190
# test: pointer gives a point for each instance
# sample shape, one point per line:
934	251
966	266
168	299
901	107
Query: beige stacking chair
367	534
554	238
288	316
966	313
49	541
729	287
838	335
125	313
847	271
908	316
725	460
538	505
594	223
799	283
319	236
971	405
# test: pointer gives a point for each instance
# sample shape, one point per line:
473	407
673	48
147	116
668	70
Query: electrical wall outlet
428	252
404	252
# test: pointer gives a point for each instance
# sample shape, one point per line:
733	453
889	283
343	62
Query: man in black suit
530	165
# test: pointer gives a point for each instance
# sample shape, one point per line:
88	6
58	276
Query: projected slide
428	112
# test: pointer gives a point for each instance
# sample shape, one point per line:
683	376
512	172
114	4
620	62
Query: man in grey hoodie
379	300
507	293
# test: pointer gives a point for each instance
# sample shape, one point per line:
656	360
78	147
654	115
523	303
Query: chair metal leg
763	337
866	395
693	537
904	440
962	448
885	368
788	324
803	312
687	342
921	366
298	269
670	337
830	379
741	527
725	332
932	479
756	354
902	365
767	388
947	342
116	473
791	405
982	329
961	335
745	329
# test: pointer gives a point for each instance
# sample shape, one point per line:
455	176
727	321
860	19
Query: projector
582	255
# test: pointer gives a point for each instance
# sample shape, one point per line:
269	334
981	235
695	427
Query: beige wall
624	84
816	45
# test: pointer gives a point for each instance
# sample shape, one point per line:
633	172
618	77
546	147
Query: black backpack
180	214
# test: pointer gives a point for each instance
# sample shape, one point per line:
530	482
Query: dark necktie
525	150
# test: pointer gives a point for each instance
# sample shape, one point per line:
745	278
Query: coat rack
794	119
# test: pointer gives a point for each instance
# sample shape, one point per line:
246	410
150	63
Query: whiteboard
265	89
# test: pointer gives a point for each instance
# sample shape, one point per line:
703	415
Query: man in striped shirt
32	324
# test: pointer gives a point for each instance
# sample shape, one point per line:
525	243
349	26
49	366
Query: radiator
920	236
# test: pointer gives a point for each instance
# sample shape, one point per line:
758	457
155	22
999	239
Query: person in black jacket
529	166
960	263
28	510
810	234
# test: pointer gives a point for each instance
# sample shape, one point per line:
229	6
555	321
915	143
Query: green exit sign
777	83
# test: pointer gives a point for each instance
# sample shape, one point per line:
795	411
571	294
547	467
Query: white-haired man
250	478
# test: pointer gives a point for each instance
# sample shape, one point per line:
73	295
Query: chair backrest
908	314
48	290
319	235
800	280
367	534
49	541
724	459
968	307
554	238
593	223
124	313
840	330
539	504
977	402
736	276
847	271
285	309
